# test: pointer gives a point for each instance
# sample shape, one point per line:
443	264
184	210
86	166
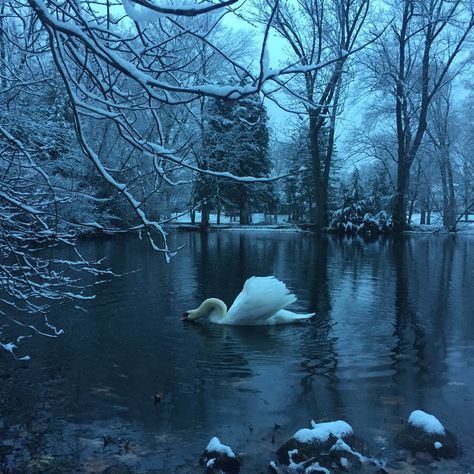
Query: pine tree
356	191
237	141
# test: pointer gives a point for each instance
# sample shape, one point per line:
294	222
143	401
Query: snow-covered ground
266	219
257	218
437	224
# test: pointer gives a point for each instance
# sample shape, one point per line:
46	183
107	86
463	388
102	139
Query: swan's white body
261	302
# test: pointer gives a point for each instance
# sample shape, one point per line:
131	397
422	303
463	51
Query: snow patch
344	463
426	422
438	445
341	445
316	467
320	432
266	61
216	446
138	13
10	347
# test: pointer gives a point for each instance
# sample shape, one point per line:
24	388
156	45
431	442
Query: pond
394	332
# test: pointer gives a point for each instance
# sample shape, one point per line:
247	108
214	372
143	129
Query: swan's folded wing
259	300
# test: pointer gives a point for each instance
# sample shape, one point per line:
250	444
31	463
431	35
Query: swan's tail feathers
261	301
284	316
304	316
272	287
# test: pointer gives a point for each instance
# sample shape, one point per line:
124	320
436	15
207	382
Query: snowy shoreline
260	222
463	229
266	223
235	227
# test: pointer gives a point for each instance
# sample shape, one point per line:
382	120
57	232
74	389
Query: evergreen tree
299	189
237	141
361	210
380	190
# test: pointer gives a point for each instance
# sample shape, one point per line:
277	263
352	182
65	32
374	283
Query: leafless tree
315	33
440	134
412	63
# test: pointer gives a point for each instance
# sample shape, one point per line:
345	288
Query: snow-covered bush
359	218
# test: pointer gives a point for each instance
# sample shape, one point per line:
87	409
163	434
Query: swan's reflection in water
394	332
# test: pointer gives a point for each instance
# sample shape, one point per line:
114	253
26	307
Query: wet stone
322	451
437	445
215	462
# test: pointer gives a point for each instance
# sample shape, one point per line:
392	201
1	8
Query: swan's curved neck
212	307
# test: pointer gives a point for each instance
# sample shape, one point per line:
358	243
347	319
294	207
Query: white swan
260	302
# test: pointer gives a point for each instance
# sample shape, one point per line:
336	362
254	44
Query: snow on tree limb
191	9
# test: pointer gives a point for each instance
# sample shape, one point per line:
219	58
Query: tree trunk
219	210
466	191
415	193
400	201
204	214
320	210
322	207
451	218
444	187
243	206
243	214
410	209
449	211
423	214
3	83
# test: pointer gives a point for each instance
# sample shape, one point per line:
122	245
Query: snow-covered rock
426	422
218	457
320	432
425	433
324	445
215	446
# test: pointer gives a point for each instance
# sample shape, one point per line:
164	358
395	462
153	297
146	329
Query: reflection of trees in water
318	349
318	274
360	255
319	376
462	286
223	261
442	316
219	355
423	271
409	336
336	260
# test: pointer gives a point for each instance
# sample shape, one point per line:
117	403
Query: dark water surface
394	333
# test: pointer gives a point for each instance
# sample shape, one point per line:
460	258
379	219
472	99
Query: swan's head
190	315
207	307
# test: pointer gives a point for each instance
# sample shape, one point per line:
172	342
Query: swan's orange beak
184	317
